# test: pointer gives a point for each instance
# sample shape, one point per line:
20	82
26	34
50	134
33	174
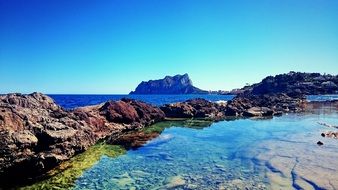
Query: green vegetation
64	176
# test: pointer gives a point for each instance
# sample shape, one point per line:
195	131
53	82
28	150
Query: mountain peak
178	84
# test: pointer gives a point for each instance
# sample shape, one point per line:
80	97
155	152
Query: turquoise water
278	153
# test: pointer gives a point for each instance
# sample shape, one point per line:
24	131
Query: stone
194	108
175	182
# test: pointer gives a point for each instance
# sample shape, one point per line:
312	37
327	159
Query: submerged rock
133	140
175	182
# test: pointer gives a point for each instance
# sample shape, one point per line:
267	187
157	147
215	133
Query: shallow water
278	153
275	153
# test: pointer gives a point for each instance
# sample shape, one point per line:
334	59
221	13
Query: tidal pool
278	153
272	153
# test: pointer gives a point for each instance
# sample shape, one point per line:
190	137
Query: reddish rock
36	134
130	111
119	112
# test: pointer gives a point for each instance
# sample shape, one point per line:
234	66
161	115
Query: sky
110	46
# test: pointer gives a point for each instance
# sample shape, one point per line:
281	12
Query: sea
71	101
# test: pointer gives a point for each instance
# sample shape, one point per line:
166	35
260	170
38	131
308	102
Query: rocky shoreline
37	134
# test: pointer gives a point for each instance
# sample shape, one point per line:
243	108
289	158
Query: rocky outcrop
240	106
131	113
264	105
178	84
296	83
36	134
194	108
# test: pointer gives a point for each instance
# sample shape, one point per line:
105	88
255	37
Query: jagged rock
131	112
178	84
250	105
36	134
194	108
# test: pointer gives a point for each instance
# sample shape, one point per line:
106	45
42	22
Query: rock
37	135
194	108
178	110
330	134
175	182
178	84
250	105
295	84
131	112
119	112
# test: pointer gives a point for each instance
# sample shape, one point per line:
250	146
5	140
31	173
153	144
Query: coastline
74	131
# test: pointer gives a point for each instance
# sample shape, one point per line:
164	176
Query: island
178	84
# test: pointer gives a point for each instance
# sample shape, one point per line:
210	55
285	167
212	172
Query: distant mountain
294	83
178	84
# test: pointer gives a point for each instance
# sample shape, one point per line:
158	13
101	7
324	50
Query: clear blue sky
109	46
